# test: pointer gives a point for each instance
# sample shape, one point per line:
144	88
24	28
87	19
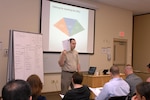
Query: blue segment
69	24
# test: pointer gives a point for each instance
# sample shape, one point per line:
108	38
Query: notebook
96	91
91	70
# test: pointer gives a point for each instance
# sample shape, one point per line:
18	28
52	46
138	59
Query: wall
141	47
25	15
109	22
19	15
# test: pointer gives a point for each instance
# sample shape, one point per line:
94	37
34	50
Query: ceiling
138	7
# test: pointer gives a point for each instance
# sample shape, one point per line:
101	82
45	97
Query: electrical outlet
0	45
56	81
52	81
6	52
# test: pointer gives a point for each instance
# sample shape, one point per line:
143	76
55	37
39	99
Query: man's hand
64	52
61	60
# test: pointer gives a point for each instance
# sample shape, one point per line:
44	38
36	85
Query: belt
69	71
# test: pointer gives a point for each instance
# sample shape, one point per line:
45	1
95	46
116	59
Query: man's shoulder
70	91
132	77
107	84
116	81
75	51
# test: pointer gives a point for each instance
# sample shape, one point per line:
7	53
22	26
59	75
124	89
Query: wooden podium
96	81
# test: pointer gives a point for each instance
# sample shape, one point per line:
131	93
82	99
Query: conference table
95	81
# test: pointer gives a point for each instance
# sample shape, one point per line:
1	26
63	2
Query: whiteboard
50	62
27	54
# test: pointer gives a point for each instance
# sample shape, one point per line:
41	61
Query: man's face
125	71
148	69
73	44
138	97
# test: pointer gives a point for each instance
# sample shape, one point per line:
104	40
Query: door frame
124	41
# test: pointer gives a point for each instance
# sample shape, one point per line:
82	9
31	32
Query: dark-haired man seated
80	92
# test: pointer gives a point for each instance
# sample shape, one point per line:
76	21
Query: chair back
118	98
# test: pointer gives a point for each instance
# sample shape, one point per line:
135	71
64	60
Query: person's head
148	67
128	69
77	78
16	90
72	43
143	91
36	84
148	79
114	71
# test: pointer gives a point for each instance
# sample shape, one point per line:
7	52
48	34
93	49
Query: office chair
118	98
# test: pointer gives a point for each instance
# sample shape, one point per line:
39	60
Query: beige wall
25	15
109	22
19	15
141	47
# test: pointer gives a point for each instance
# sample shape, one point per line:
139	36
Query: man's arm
104	95
62	59
78	65
78	68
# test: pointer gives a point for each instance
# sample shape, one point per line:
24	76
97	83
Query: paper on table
96	91
66	45
61	95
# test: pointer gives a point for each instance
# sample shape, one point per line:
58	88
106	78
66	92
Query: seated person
79	92
148	68
115	87
131	78
142	91
36	86
16	90
148	79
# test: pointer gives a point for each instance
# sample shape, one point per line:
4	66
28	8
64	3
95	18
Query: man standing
131	79
69	62
115	87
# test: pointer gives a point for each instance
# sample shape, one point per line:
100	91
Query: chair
118	98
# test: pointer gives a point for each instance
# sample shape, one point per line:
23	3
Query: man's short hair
128	66
16	90
77	78
148	65
144	89
71	39
114	70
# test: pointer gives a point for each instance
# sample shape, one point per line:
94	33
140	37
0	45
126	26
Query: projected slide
66	21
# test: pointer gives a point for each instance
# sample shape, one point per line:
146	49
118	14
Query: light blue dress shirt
115	87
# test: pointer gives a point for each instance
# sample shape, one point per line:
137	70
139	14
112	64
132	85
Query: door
120	53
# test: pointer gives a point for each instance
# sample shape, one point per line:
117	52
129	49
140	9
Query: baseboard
54	92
